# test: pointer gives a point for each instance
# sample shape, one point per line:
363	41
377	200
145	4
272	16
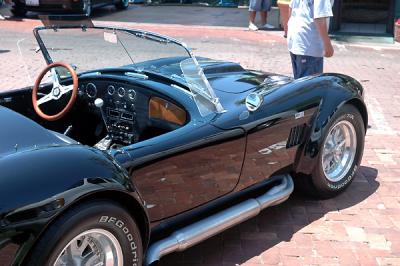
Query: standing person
284	14
262	6
4	3
308	39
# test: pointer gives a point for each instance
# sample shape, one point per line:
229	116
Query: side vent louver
295	136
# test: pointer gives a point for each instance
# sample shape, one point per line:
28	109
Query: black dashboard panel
125	110
124	107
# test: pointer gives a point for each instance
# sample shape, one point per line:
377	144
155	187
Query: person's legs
306	65
312	65
252	16
263	17
254	6
265	7
293	58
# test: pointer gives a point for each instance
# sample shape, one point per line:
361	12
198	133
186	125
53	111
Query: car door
187	167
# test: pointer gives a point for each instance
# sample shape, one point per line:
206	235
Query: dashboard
128	110
122	102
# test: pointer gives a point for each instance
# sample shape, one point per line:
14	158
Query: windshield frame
140	34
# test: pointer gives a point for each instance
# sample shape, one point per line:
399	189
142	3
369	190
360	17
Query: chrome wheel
92	247
339	151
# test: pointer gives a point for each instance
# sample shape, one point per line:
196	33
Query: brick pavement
359	227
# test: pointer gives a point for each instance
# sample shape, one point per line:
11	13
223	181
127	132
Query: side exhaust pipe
190	235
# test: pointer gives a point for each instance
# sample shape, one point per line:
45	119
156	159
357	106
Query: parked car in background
75	6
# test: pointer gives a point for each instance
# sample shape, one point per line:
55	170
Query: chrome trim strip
183	90
190	235
136	75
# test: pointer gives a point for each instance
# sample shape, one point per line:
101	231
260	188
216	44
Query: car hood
18	133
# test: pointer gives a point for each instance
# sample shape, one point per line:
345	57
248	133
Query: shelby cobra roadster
128	147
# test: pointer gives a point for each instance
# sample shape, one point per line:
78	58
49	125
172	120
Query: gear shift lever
103	144
99	104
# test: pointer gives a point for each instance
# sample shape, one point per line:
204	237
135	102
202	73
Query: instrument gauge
121	92
111	90
132	94
91	90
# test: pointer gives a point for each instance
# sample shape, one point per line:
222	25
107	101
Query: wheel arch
128	202
305	157
361	108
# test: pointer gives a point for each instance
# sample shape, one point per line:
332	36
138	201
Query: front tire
90	234
123	4
339	155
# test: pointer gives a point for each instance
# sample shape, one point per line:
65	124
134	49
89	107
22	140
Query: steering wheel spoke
57	91
54	78
66	89
45	99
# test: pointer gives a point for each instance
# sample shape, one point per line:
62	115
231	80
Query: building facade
365	16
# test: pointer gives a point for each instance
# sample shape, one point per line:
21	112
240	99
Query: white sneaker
253	27
268	26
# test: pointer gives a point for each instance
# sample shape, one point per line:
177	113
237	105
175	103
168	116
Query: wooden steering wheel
57	91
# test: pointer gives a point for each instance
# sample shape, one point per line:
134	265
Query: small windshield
93	49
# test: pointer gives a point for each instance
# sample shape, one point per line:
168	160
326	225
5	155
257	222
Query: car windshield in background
92	49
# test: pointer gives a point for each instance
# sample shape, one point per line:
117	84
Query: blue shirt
303	36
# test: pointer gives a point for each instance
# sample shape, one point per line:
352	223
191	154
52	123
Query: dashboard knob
99	102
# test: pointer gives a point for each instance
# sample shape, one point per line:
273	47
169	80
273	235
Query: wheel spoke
91	259
326	162
341	143
69	256
84	244
336	134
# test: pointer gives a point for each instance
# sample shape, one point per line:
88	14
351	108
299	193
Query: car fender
336	90
37	186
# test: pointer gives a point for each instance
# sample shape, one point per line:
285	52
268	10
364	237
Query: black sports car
136	148
20	7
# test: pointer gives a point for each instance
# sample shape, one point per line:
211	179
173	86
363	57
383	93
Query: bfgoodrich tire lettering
322	184
98	216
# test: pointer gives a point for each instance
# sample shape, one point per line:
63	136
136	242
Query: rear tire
339	156
123	4
18	11
91	232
